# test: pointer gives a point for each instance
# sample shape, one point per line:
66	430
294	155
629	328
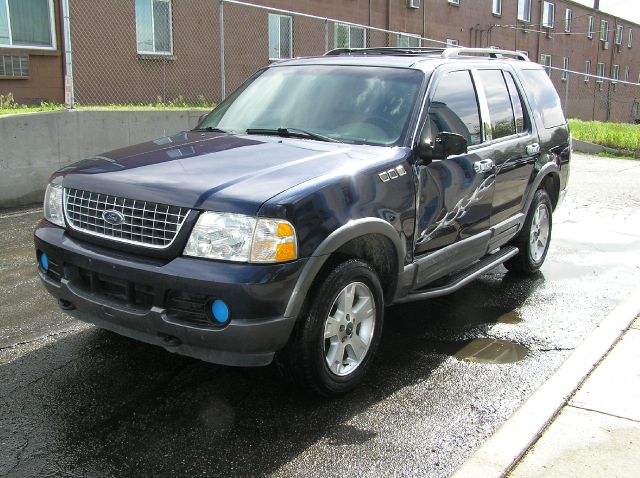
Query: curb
591	148
504	449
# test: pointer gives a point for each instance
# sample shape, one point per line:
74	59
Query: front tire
334	344
534	238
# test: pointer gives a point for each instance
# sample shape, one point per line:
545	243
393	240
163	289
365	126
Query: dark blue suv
320	192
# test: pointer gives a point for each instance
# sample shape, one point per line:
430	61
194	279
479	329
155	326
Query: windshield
352	104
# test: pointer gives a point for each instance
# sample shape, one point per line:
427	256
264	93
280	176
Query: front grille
145	223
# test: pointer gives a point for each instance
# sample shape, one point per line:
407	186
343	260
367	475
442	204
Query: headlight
239	238
53	204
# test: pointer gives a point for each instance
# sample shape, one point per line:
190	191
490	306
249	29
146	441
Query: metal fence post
566	96
326	35
69	95
222	73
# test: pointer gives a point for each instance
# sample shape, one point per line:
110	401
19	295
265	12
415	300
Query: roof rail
490	52
384	50
452	52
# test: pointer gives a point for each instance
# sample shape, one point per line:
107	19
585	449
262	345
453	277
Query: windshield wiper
211	128
292	132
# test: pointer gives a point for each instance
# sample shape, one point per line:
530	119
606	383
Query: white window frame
52	31
452	42
524	11
615	73
280	57
619	34
524	52
153	32
349	27
604	30
587	71
548	14
630	41
543	61
400	38
496	7
454	2
568	18
600	68
565	68
590	28
627	72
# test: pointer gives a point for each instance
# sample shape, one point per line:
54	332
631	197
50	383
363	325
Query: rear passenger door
513	139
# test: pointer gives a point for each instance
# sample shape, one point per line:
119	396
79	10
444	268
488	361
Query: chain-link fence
195	53
591	97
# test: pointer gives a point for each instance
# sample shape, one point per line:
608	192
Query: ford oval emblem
112	217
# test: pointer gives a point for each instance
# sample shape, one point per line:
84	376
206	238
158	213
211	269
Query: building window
568	17
349	36
600	72
626	73
615	72
565	68
590	29
548	14
524	10
604	30
587	71
619	34
414	3
280	35
14	66
546	61
454	2
496	9
407	41
524	52
630	42
153	27
451	42
27	24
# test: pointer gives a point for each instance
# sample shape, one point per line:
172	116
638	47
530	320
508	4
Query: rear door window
543	97
454	107
499	103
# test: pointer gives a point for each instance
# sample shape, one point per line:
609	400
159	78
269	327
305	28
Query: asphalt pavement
78	401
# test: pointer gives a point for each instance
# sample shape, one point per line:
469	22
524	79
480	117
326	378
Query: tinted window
516	100
543	97
499	102
454	107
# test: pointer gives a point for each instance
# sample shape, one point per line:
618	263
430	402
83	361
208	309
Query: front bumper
257	296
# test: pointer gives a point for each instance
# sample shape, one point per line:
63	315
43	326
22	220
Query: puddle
491	351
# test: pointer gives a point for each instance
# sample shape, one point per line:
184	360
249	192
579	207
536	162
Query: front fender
333	242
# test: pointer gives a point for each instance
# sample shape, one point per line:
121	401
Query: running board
462	278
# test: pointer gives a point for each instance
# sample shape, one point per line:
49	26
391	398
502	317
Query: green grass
620	155
621	136
8	106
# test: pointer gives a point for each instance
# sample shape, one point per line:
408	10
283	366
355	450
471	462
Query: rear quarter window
543	97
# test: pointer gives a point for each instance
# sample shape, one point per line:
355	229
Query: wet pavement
78	401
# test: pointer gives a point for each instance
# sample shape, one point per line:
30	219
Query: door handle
483	165
533	149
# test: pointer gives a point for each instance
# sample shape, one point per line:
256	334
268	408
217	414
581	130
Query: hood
213	171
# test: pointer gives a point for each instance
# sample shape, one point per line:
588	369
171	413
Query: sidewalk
584	421
597	433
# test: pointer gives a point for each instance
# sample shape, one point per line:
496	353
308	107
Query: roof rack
453	52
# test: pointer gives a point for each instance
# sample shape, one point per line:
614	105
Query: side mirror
445	144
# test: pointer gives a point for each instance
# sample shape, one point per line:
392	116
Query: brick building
143	50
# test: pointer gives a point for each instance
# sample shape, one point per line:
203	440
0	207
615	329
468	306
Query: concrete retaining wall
32	146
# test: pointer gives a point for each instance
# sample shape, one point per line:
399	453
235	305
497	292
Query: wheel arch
548	178
371	239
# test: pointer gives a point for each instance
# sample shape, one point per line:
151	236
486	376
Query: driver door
455	194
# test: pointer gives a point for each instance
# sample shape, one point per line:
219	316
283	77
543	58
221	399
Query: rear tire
534	238
333	345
